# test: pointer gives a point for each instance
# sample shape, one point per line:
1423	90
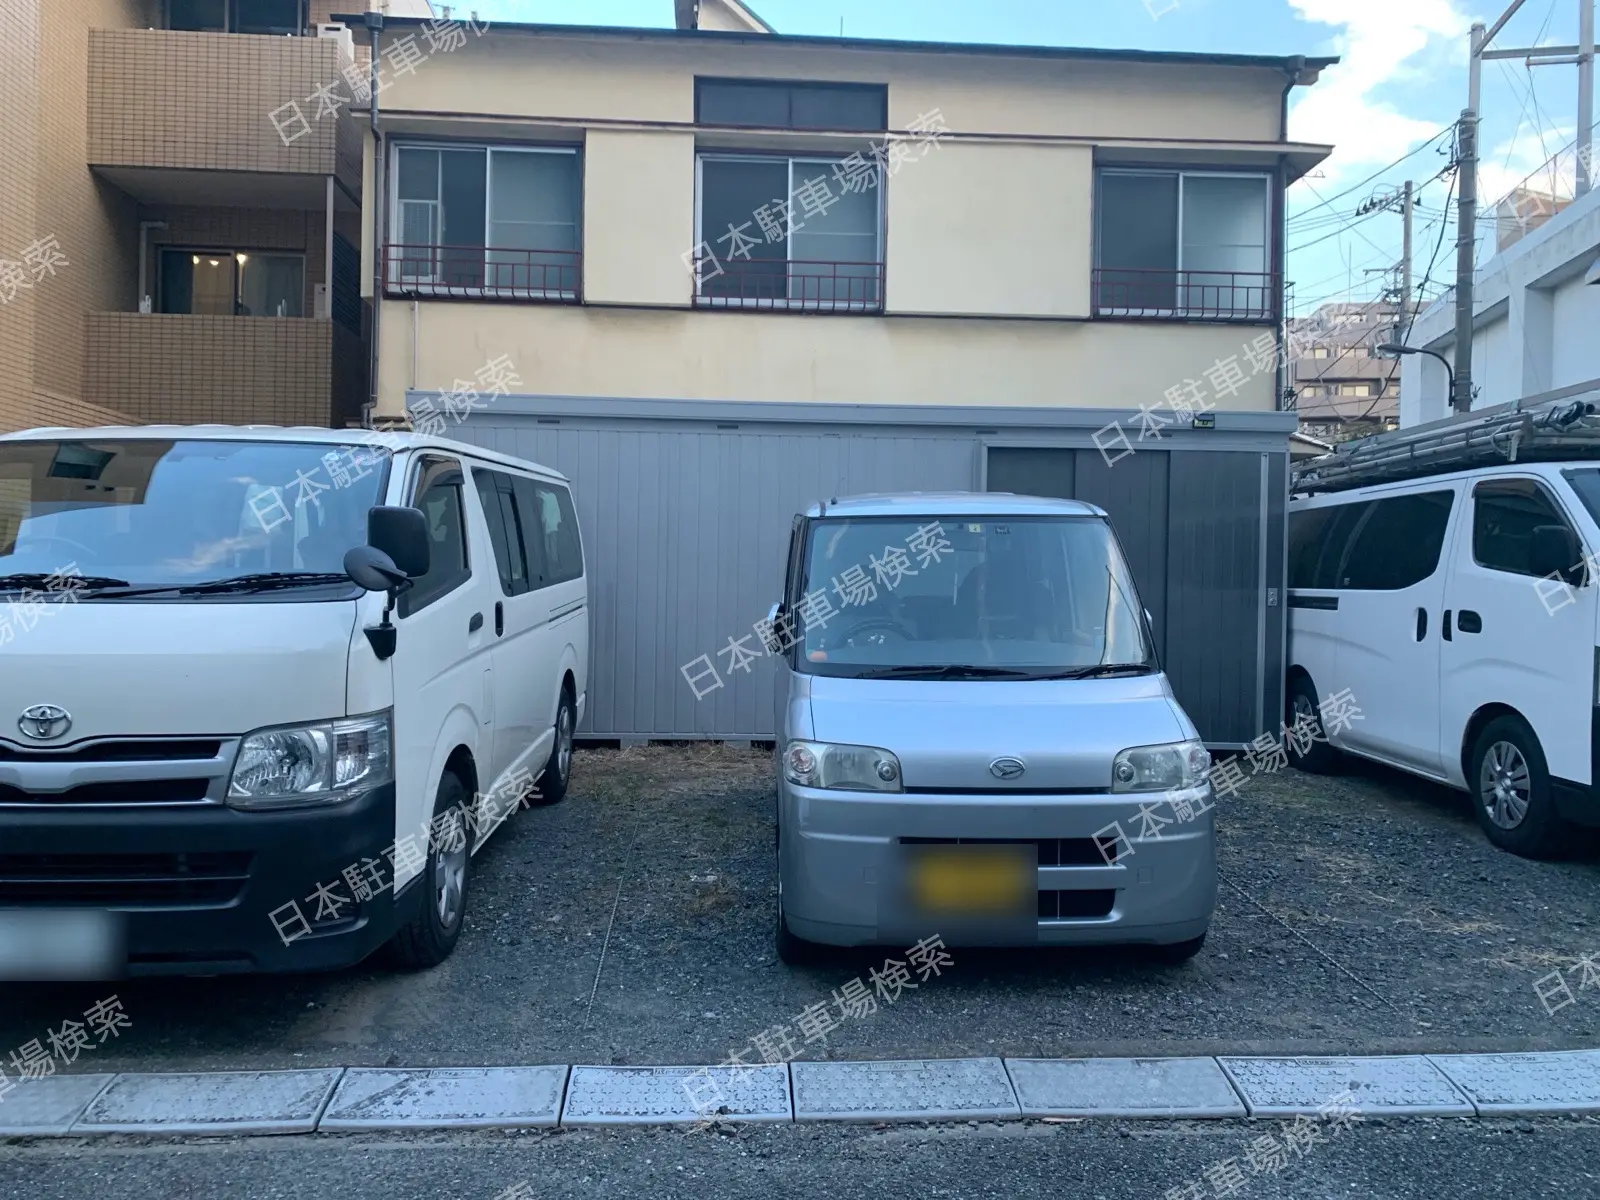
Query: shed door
1190	523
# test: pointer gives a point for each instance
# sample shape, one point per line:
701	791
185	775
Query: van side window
1505	512
550	525
495	490
1318	538
1399	543
438	495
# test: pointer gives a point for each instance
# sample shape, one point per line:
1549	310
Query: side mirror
401	534
373	570
774	646
1553	550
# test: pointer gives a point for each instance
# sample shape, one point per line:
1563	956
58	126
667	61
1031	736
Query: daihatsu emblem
44	721
1007	768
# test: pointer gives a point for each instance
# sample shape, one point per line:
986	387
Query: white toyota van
1459	611
267	690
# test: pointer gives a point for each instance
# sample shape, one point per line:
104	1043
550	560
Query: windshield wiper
261	581
60	582
948	671
1099	670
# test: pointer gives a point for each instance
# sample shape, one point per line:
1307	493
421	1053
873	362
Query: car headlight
322	763
850	768
1168	768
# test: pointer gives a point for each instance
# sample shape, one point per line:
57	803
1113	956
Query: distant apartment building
169	251
1342	388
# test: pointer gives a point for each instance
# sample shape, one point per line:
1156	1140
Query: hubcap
1305	713
564	742
1504	787
449	879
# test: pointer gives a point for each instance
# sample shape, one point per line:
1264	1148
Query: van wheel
429	937
1177	953
1321	758
552	786
1510	784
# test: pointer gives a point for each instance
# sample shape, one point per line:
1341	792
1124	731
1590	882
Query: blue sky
1402	79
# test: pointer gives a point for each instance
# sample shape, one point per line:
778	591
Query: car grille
1053	852
1076	905
123	880
146	750
133	791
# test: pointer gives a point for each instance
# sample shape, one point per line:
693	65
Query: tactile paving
1550	1082
914	1090
1404	1084
1123	1087
40	1107
219	1102
654	1095
446	1097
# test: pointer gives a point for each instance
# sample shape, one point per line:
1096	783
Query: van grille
145	750
134	791
123	880
1076	905
1053	852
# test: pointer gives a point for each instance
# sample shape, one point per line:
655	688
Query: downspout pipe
1293	71
374	24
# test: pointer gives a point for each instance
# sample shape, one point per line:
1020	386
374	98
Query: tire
1510	785
429	937
1321	759
557	773
1178	953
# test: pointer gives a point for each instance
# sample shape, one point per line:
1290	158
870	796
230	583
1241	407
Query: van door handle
476	623
1468	621
1444	628
499	618
1422	623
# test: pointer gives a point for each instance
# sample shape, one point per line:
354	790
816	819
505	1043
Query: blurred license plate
973	881
61	944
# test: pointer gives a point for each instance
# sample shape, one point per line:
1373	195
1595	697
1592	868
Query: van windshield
153	514
967	597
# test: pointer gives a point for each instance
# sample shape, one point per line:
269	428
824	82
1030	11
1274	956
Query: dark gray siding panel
1276	614
1214	565
1033	471
1133	491
686	526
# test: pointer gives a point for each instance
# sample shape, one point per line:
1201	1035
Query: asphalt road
1414	1159
632	924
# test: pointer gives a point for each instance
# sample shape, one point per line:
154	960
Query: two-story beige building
718	212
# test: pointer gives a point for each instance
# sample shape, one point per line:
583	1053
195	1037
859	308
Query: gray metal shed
686	506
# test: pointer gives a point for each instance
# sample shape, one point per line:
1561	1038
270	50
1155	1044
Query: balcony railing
1185	295
483	273
793	285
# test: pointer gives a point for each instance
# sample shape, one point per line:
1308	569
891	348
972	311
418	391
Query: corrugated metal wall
686	524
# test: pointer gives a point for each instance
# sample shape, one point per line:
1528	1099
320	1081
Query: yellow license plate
972	881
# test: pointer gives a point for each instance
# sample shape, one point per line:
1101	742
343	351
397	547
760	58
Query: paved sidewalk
1318	1097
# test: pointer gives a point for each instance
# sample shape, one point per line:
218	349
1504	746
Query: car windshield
968	596
1586	482
149	513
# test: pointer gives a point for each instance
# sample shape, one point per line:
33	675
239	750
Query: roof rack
1560	427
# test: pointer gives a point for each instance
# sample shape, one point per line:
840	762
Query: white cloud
1380	43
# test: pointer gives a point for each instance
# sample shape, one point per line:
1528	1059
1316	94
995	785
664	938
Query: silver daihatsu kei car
975	740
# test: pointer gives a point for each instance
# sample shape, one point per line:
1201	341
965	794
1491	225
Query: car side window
439	495
495	490
550	530
1505	512
1399	543
1318	538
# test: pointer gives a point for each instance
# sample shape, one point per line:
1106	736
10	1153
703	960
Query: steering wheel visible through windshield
1033	595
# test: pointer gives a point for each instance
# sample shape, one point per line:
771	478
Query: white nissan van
265	691
1459	611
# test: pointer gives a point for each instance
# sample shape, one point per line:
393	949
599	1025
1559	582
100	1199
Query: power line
1381	171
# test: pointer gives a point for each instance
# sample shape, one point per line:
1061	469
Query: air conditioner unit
341	34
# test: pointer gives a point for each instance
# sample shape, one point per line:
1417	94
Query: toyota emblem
44	721
1007	768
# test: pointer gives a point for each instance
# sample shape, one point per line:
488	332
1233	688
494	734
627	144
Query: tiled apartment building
1343	388
719	213
166	252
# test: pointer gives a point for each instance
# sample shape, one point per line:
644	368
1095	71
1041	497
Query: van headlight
849	768
323	763
1169	768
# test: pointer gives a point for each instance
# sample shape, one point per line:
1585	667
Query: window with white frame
799	233
485	221
1184	244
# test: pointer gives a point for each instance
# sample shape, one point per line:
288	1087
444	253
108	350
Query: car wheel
557	774
429	937
1178	953
1510	784
1320	758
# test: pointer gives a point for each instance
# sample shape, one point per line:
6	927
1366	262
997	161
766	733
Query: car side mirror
373	570
402	535
1553	550
770	638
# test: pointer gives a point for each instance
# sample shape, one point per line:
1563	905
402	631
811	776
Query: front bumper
197	886
837	850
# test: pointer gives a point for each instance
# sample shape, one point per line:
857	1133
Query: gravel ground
1358	913
1394	1160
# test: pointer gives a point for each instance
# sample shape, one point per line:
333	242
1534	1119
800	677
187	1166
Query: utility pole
1584	177
1466	250
1406	210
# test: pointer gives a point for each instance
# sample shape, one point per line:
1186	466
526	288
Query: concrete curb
359	1099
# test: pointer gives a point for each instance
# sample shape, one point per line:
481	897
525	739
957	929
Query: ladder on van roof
1558	428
